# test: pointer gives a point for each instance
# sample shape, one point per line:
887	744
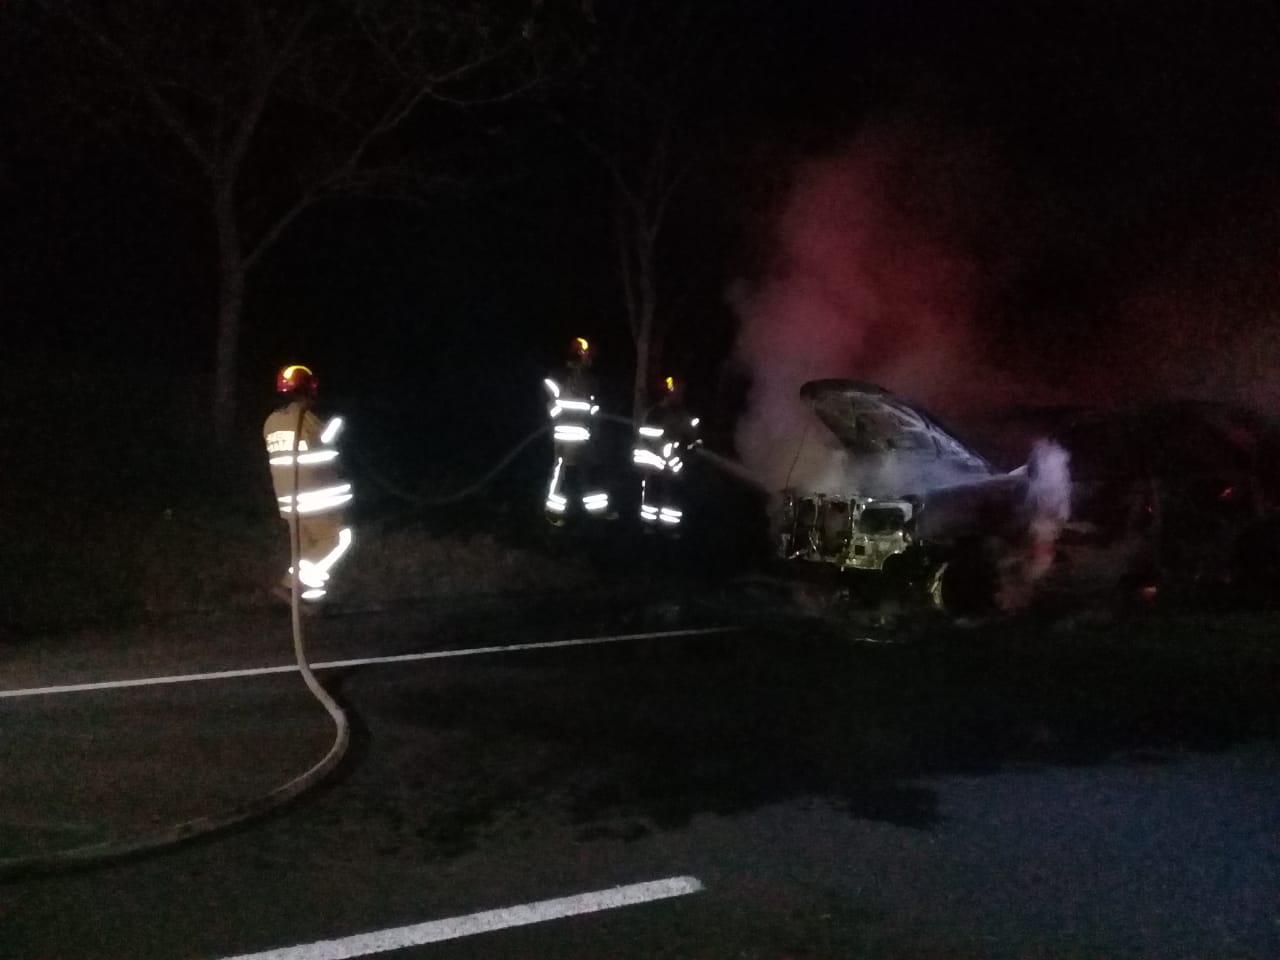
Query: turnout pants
322	540
572	483
660	501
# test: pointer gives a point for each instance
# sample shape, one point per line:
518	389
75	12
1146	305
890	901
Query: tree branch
271	67
272	233
164	110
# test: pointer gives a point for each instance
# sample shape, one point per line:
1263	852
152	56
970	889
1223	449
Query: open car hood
870	421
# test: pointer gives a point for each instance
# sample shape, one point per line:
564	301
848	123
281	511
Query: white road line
358	662
399	938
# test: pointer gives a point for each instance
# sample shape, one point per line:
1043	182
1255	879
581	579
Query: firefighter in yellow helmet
663	443
573	410
309	488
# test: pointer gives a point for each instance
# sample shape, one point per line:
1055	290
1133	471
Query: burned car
1170	497
892	492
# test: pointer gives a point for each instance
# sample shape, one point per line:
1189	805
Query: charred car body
893	492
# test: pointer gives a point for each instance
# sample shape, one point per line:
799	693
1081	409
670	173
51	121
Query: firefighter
661	453
573	411
309	488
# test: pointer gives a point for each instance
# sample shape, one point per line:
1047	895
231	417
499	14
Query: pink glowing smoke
871	280
904	260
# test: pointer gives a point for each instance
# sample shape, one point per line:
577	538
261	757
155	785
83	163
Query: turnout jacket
572	405
665	437
320	486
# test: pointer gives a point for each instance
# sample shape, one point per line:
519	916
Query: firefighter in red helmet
661	453
309	489
573	410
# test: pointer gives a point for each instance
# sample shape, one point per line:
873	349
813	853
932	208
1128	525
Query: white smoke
870	279
823	466
875	276
1046	510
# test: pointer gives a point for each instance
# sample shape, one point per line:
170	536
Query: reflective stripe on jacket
572	407
664	439
320	485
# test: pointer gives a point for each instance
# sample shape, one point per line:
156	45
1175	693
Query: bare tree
273	107
642	118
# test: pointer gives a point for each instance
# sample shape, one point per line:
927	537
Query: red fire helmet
296	378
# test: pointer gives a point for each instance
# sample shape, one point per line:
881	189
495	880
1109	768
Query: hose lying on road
107	850
117	849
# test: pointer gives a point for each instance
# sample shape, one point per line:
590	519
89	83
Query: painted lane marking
399	938
358	662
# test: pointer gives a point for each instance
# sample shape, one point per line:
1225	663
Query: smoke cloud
872	278
914	258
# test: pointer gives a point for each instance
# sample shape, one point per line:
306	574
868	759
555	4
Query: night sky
1063	202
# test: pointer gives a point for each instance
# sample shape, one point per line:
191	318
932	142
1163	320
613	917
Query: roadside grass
117	509
410	563
144	565
106	568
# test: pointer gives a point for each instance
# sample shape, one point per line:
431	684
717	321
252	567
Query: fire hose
109	850
725	464
418	500
116	849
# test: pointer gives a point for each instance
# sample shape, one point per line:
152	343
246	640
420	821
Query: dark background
1137	142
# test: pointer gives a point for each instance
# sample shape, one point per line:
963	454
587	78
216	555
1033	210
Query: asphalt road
1006	791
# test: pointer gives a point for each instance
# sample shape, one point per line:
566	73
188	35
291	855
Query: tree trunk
231	285
644	342
640	387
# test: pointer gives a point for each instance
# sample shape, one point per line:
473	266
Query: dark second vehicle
1181	495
